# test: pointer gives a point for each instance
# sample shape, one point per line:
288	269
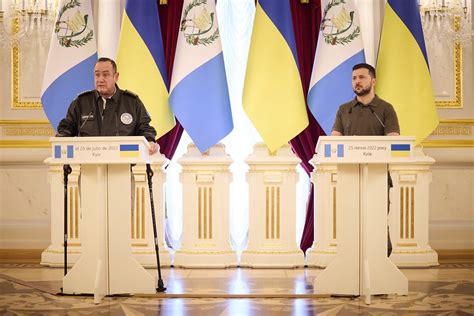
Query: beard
363	91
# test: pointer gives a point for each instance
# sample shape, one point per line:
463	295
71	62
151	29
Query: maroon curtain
170	16
306	21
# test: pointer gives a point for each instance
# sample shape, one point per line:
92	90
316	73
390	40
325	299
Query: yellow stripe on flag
403	78
140	74
273	96
128	154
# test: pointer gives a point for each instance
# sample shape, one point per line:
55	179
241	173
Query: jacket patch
126	118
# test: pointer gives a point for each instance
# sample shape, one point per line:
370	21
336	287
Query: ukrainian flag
403	74
273	96
129	151
400	150
141	61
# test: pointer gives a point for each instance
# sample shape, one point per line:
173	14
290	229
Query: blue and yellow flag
141	61
273	95
403	74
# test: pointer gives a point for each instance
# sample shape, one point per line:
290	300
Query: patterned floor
25	289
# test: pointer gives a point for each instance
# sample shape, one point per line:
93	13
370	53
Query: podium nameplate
359	149
87	150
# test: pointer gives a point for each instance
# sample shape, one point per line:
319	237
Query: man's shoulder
130	93
347	105
381	102
84	96
85	93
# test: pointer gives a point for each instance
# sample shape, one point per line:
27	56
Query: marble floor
30	289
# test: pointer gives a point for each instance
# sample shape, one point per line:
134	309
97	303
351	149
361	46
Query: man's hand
153	148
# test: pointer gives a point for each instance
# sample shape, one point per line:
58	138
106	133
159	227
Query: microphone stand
66	171
149	173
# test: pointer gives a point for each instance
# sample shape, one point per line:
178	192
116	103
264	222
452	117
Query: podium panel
106	266
361	266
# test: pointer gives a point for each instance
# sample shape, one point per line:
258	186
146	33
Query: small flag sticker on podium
400	150
127	151
60	153
338	150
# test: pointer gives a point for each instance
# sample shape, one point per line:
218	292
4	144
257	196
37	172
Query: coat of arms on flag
198	25
72	25
337	25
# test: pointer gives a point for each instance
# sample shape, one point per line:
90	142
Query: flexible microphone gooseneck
83	123
378	118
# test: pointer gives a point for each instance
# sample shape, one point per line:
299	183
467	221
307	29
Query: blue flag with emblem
71	58
199	95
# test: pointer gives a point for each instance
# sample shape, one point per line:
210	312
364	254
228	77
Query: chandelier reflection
447	20
28	23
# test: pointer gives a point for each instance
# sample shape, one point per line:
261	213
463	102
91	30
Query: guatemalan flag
72	55
199	95
339	49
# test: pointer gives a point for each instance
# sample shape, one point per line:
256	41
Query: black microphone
378	118
350	110
83	123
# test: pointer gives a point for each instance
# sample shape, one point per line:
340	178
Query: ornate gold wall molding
448	143
35	128
456	102
27	131
17	103
454	127
457	121
15	122
25	144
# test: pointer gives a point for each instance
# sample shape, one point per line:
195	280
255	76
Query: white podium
106	266
361	266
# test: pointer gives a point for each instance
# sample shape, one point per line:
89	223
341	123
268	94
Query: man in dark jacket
107	110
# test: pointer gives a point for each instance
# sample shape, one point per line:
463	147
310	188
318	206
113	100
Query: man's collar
115	97
374	103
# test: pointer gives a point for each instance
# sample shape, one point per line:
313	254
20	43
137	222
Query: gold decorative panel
407	213
272	212
205	212
138	216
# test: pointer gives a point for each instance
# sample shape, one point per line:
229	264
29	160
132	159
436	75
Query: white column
409	213
54	255
324	248
272	179
108	28
205	241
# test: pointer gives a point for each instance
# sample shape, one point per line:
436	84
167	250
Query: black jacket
124	115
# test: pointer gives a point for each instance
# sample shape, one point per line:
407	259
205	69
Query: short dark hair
106	59
370	68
